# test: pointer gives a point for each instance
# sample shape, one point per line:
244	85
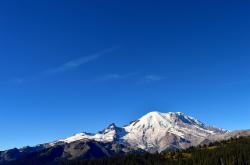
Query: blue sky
72	66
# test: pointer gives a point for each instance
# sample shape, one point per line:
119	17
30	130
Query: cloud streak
115	76
112	76
75	63
139	79
151	78
69	65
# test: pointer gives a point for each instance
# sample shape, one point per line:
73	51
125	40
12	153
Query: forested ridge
228	152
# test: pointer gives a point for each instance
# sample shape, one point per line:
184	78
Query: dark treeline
230	152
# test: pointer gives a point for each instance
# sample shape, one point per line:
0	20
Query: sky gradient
72	66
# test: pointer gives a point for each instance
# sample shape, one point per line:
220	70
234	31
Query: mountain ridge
142	133
152	132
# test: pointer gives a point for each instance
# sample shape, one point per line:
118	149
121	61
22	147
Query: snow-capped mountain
157	131
153	132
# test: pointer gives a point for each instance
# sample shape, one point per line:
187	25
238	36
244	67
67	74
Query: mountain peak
111	126
167	119
153	113
157	113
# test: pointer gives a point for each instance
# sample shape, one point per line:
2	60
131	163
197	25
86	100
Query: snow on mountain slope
153	132
107	135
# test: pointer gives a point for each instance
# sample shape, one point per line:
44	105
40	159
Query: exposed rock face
81	149
227	135
91	149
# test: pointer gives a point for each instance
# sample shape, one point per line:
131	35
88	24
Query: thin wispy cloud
115	76
68	65
152	78
237	83
136	77
18	80
111	77
75	63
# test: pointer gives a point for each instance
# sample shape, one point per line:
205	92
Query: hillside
229	152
